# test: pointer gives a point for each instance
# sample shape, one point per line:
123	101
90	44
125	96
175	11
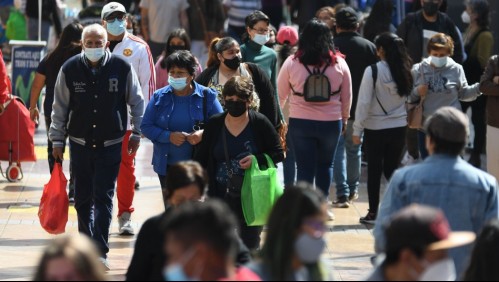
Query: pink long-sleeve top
293	74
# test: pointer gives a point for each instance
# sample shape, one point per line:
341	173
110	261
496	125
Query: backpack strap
374	70
297	93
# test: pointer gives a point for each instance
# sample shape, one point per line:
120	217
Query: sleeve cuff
57	144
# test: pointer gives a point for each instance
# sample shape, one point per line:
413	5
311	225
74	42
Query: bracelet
35	108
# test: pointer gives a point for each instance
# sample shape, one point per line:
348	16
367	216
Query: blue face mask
308	248
439	62
117	27
175	272
261	38
177	83
94	54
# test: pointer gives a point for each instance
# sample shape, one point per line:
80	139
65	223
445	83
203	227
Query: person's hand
178	138
195	137
133	144
34	114
496	80
423	90
57	153
356	140
344	127
245	163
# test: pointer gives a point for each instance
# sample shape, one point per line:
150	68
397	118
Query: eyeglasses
439	40
178	74
261	31
111	18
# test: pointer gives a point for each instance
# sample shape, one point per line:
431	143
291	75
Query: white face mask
94	54
442	270
438	61
465	17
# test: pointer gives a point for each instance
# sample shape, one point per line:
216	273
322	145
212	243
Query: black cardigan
263	88
266	139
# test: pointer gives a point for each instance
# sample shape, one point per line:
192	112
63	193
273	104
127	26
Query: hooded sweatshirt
446	86
369	113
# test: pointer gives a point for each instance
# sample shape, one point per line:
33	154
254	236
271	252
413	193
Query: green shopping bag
261	189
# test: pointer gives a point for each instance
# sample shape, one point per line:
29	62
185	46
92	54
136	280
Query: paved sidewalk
349	248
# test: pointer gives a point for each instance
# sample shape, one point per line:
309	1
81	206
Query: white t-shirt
164	17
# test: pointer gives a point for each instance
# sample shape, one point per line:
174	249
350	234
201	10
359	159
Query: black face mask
430	8
233	63
235	108
174	48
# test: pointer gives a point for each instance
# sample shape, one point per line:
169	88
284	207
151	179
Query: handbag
235	183
415	114
260	191
54	205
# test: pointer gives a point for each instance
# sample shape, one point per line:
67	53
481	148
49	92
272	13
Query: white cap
112	7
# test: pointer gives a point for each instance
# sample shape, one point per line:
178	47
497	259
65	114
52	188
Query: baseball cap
425	227
287	33
448	124
346	18
112	7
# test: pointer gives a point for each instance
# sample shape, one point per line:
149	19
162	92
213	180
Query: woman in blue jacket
174	118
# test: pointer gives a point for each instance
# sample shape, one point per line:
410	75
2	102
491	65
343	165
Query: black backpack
317	86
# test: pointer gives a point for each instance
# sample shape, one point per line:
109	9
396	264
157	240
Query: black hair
251	20
481	9
485	258
379	19
393	256
289	213
255	17
184	174
239	86
398	60
285	52
217	46
182	59
211	222
315	44
416	6
69	45
177	33
446	147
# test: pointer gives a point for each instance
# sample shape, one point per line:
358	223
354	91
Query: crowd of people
317	96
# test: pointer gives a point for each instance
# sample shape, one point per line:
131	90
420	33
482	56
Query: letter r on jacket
113	85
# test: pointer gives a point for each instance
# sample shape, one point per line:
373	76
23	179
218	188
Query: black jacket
359	54
149	257
50	13
263	88
266	140
411	31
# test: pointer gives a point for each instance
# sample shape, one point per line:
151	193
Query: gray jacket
447	86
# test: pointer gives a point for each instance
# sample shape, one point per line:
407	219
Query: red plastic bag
54	205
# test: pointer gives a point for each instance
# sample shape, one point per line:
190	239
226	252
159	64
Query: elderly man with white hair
92	93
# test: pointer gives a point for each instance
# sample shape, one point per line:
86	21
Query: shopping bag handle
254	162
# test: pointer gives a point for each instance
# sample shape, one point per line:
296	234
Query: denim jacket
467	196
155	124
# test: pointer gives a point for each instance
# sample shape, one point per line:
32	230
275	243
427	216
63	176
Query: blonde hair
80	251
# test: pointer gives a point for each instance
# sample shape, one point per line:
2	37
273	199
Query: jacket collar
168	92
348	34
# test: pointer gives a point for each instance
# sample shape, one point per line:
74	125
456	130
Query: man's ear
107	44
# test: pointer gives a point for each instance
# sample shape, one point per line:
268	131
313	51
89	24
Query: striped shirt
240	9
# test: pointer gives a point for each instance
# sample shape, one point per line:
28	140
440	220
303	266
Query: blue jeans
422	145
95	172
315	144
289	164
347	164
